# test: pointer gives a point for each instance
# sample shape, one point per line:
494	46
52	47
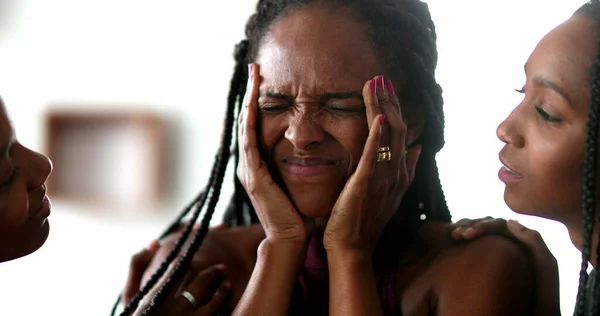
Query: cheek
352	136
270	130
558	168
13	210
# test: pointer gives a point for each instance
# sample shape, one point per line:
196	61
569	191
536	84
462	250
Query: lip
508	174
307	166
43	211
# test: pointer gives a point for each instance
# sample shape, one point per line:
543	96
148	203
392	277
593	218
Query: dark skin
545	134
24	206
545	145
435	275
445	274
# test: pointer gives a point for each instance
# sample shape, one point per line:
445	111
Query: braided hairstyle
404	37
587	304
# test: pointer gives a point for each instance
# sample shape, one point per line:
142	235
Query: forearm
352	289
270	287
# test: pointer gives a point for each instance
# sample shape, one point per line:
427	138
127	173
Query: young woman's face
314	63
545	133
24	206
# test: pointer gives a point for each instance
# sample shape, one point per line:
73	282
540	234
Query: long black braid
404	37
213	187
583	306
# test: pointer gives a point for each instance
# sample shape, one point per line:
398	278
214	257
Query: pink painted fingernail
381	120
390	87
373	86
380	83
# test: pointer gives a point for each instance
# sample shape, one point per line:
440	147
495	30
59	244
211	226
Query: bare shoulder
492	275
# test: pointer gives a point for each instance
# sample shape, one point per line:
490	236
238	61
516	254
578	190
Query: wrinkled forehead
318	45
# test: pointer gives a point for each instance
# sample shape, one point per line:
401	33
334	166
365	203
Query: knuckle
463	221
220	297
402	127
535	236
246	146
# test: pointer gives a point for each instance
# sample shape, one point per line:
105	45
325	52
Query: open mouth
510	170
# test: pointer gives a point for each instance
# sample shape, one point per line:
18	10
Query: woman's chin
312	208
31	239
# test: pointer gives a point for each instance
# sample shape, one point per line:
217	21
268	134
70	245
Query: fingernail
457	229
515	224
381	120
373	86
390	87
153	245
380	84
227	284
469	232
250	70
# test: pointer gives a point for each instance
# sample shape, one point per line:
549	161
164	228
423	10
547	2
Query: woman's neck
575	228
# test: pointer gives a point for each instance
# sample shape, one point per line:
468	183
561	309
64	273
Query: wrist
348	259
286	253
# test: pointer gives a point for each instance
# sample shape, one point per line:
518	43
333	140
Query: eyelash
541	112
545	116
277	109
346	111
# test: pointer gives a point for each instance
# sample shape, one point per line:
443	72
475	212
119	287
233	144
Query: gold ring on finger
384	154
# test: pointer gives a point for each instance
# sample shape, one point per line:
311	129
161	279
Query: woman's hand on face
546	268
373	193
280	219
207	294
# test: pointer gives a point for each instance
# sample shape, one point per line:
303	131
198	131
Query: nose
35	166
304	131
508	131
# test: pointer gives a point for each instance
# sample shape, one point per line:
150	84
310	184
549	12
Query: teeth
510	170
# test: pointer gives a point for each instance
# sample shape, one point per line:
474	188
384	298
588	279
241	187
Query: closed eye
346	110
273	108
545	116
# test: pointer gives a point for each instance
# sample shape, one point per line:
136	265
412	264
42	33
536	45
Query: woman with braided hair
551	141
338	207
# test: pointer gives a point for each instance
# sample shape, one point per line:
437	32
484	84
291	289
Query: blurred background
130	95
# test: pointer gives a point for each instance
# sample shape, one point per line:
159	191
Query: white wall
175	58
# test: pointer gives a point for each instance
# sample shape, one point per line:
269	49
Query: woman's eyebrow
279	95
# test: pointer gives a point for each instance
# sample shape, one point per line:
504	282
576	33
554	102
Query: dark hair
583	306
404	37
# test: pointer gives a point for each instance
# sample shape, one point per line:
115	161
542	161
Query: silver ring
190	298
